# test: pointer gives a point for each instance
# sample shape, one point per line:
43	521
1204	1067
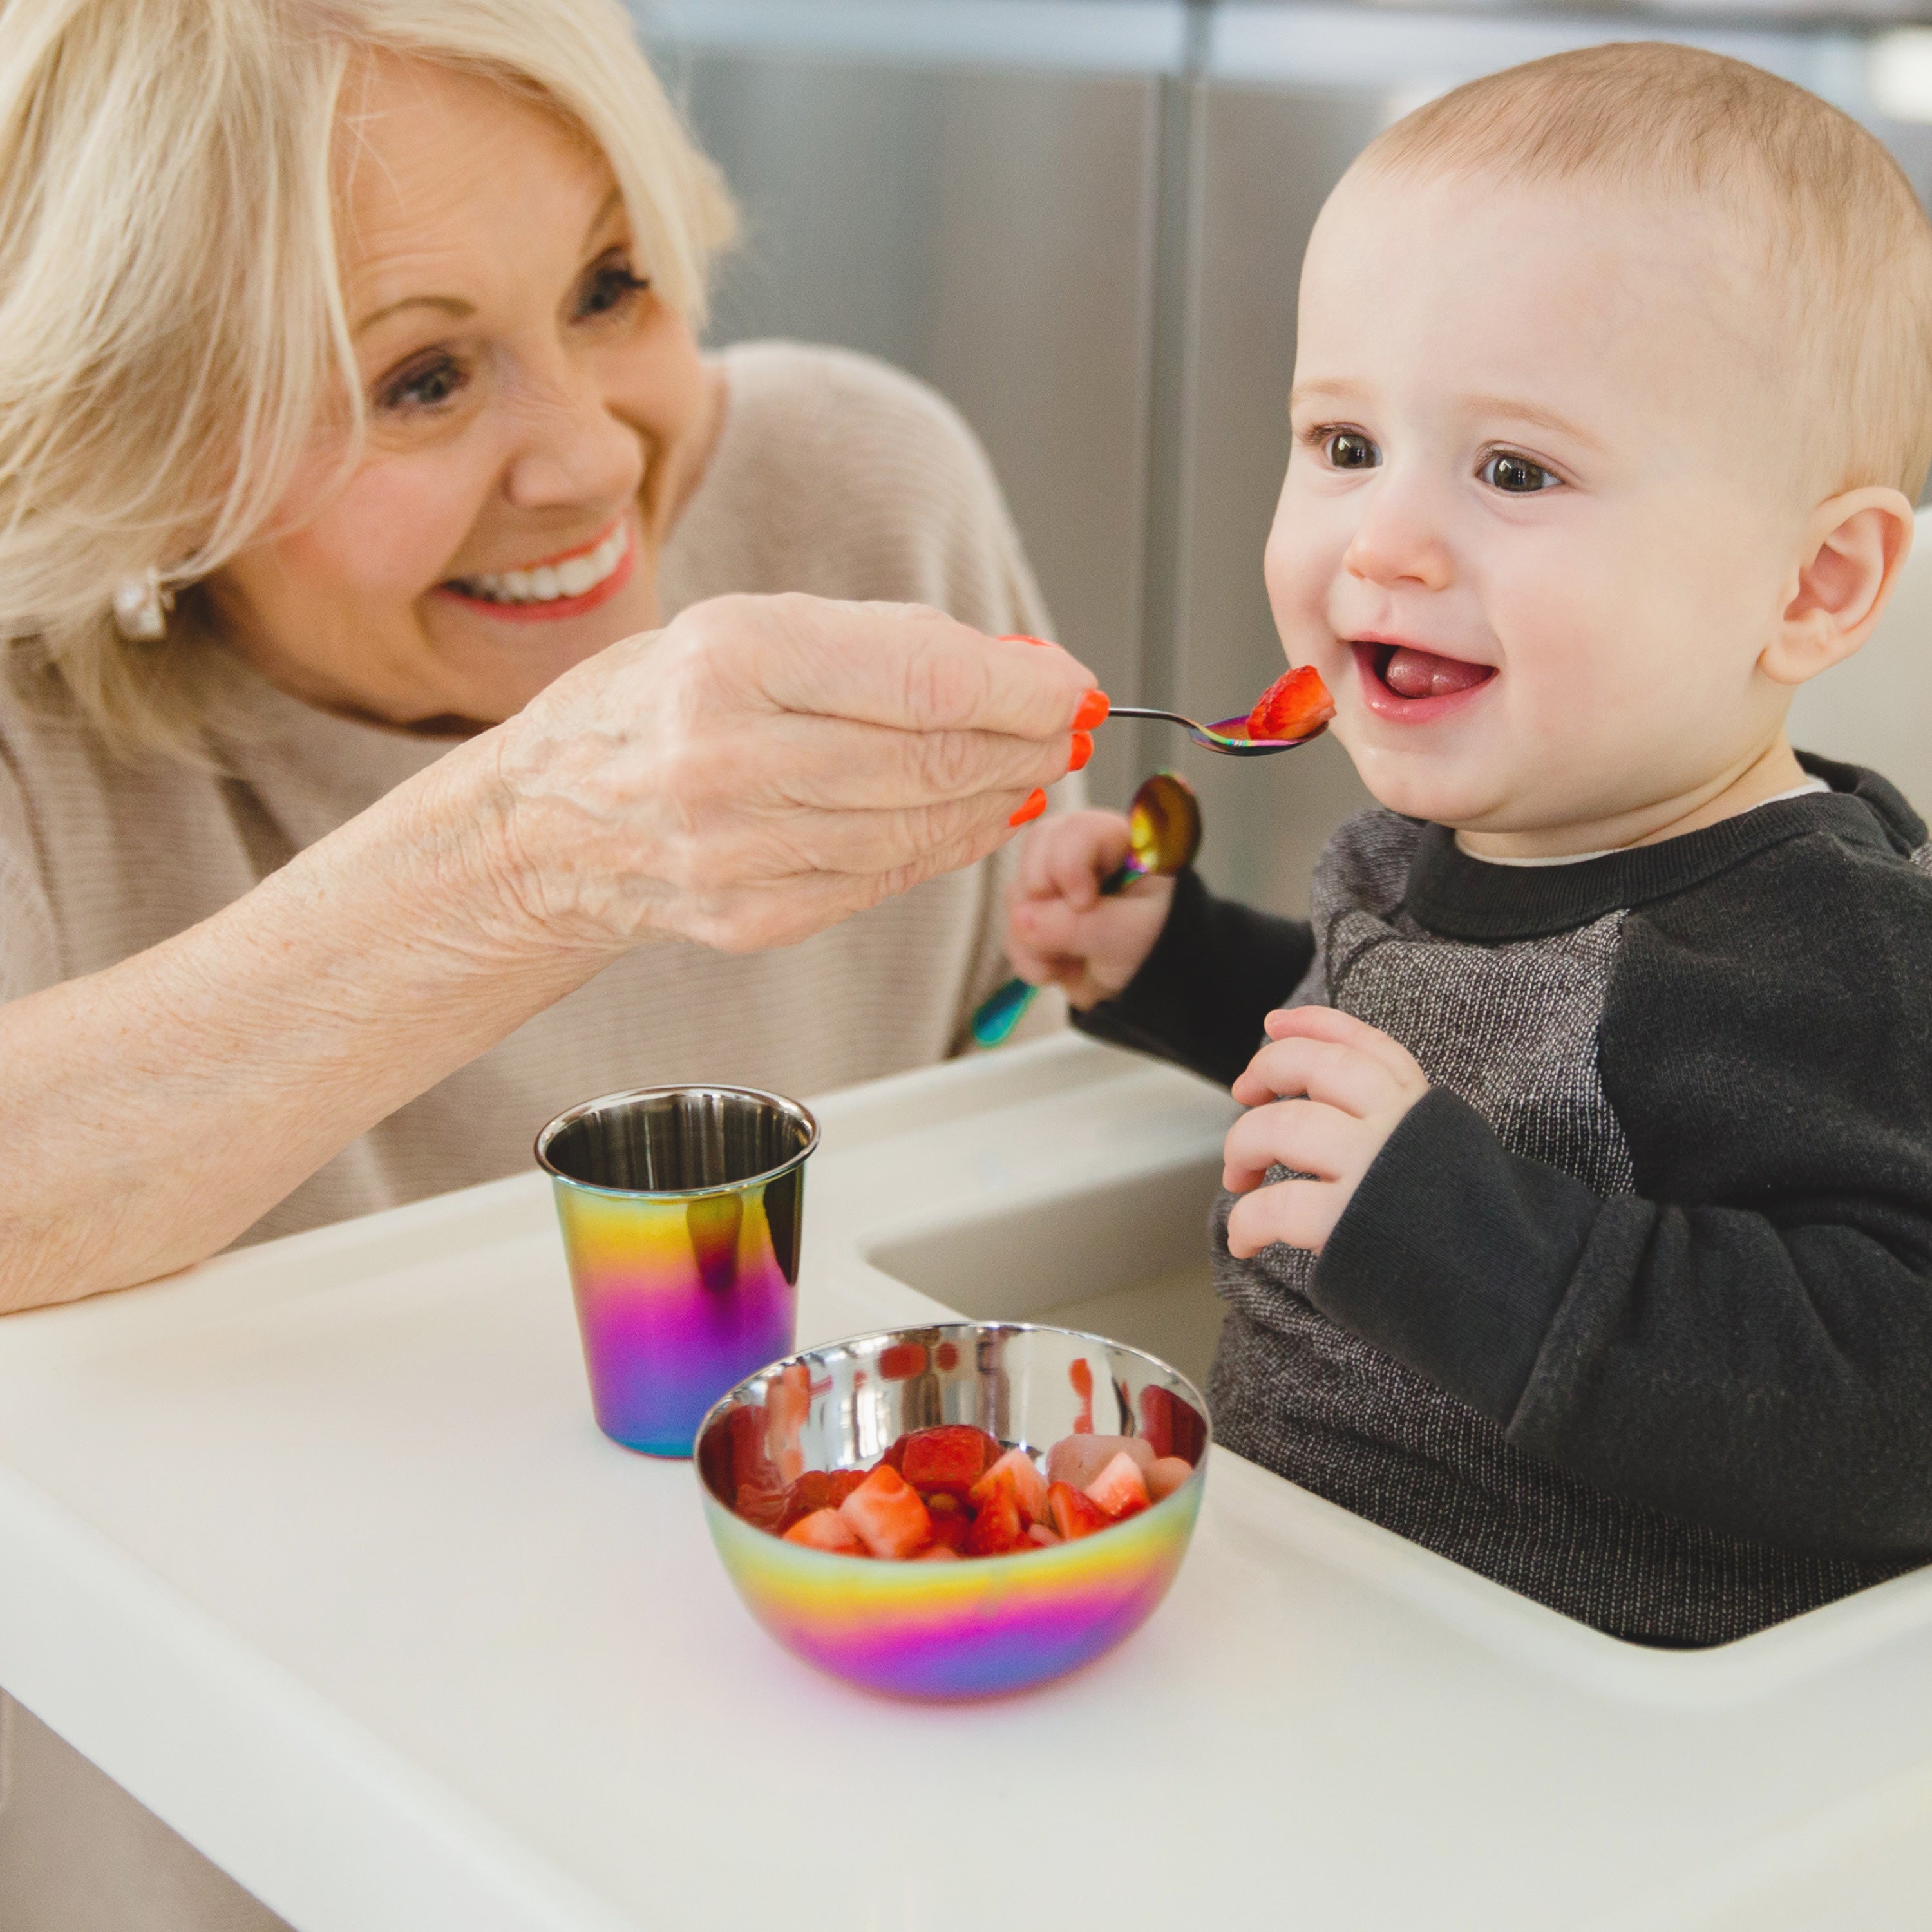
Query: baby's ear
1854	545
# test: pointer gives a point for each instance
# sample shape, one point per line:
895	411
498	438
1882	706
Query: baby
1580	1227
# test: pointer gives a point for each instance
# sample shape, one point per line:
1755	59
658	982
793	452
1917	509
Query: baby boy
1580	1227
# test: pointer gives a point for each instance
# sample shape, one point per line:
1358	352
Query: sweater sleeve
1217	970
1746	1341
29	956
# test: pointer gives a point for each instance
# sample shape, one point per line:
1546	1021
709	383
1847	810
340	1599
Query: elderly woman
415	724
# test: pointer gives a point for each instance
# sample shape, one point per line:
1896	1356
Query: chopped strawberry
1120	1489
951	1528
1044	1536
951	1457
1029	1485
1297	705
825	1529
1166	1475
1074	1513
816	1489
1077	1459
885	1510
938	1553
896	1455
999	1528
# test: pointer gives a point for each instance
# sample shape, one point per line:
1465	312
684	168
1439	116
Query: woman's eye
425	384
1517	475
1348	449
609	287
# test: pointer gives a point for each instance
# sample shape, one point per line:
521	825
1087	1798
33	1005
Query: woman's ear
1855	546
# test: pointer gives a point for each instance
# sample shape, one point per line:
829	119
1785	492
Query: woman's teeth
548	582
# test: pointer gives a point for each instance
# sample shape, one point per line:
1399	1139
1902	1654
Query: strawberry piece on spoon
1297	705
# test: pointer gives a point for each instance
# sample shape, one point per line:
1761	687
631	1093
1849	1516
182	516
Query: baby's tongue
1410	672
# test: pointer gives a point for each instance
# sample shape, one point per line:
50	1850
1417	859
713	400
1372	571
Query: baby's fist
1059	930
1325	1093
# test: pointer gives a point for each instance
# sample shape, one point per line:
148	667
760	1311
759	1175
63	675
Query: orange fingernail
1093	708
1020	638
1035	805
1083	750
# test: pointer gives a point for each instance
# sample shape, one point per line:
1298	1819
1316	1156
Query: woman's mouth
563	586
1405	682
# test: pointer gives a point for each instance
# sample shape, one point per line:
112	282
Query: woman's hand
1059	930
747	776
763	767
1326	1093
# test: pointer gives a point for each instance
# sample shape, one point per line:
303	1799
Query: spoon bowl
1230	737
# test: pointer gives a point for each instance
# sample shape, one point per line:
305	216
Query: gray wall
1083	221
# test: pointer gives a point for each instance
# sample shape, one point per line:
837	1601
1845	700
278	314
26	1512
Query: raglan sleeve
1215	971
1745	1341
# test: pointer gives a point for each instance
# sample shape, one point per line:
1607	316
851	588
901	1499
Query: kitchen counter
316	1550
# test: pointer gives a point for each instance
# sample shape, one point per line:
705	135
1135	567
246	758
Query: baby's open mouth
1413	675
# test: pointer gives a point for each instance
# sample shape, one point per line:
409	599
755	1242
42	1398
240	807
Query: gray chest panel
1511	1029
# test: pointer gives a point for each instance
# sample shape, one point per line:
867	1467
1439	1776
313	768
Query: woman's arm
756	772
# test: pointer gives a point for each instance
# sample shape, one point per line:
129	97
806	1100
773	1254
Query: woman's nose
1397	541
574	450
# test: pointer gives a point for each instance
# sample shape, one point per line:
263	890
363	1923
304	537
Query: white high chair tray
316	1550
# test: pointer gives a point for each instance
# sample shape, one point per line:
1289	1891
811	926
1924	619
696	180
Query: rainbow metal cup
983	1625
680	1207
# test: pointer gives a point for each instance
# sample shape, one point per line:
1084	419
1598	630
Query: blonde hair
1847	248
171	322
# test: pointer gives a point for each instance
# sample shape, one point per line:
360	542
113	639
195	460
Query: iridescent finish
980	1626
1228	736
680	1207
1163	835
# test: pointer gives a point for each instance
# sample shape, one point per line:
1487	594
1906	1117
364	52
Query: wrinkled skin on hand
761	768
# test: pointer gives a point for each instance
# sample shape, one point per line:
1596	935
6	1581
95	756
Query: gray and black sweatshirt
1634	1311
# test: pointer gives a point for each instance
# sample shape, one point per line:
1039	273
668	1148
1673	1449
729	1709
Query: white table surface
316	1550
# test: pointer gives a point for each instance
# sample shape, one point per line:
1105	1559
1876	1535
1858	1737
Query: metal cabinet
992	231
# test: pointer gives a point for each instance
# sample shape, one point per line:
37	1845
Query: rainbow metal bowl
983	1625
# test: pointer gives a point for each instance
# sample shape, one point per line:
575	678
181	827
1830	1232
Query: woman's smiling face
536	417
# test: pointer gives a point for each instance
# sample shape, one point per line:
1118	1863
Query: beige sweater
832	475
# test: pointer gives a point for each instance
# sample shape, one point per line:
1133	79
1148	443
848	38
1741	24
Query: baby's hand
1326	1094
1059	930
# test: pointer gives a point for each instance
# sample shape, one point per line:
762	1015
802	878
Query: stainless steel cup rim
584	1108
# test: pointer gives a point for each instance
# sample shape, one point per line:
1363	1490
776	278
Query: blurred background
1083	221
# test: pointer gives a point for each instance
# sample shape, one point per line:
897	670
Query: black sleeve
1217	970
1746	1342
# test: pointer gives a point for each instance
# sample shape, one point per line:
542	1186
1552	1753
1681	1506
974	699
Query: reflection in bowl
986	1625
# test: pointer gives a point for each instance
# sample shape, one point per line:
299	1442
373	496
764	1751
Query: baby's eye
609	286
1349	449
425	384
1517	475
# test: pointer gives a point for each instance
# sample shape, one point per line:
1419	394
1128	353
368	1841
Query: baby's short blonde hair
1847	249
171	320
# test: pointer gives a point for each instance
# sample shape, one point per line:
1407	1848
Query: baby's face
1542	514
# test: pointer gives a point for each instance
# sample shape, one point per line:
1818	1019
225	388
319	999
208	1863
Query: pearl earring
141	607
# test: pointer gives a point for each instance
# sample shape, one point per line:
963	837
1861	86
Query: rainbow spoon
1163	835
1229	735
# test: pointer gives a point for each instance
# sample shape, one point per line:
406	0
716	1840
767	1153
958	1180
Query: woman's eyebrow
450	305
